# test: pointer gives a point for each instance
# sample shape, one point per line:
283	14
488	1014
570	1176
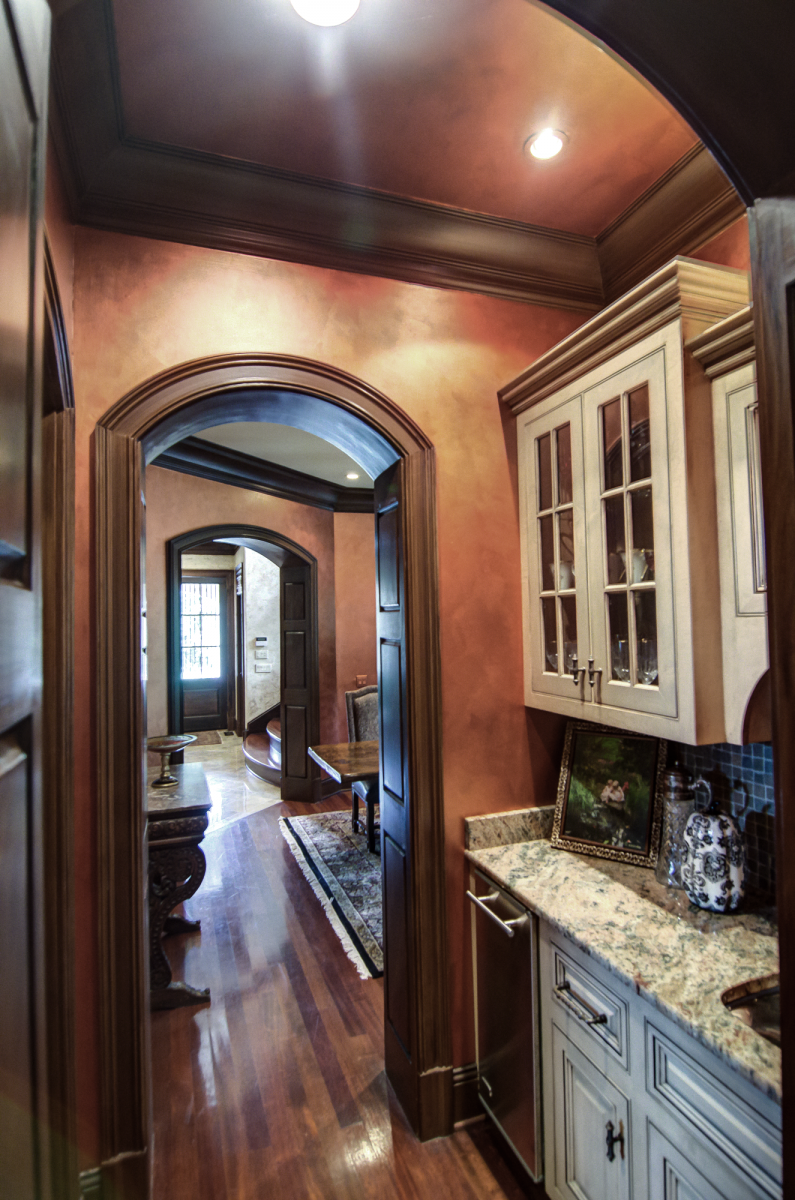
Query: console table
176	821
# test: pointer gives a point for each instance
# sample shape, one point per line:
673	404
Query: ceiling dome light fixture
352	475
545	144
325	12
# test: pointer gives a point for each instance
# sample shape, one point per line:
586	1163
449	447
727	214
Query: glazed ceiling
430	99
390	145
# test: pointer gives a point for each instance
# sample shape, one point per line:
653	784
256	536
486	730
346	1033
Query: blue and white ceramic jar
713	873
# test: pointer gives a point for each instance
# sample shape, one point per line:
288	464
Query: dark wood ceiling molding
691	203
195	456
128	185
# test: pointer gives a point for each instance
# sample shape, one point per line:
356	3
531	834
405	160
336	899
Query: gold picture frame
609	801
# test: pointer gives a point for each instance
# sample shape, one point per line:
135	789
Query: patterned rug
346	879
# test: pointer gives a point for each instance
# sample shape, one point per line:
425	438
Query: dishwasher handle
508	927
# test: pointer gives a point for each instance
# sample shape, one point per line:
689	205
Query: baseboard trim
466	1106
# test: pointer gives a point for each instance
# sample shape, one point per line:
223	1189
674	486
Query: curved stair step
257	753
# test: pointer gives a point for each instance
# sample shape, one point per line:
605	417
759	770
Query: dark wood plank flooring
277	1088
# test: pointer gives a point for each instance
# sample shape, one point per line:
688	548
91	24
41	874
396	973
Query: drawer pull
507	927
614	1139
487	1086
593	1018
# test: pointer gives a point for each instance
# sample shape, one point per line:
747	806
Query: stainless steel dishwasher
505	950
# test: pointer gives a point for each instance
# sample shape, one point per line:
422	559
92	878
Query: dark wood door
299	702
24	34
205	612
394	786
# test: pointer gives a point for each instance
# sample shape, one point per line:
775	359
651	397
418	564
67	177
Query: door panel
24	1154
299	703
206	701
394	791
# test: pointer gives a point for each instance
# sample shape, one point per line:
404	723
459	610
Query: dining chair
361	707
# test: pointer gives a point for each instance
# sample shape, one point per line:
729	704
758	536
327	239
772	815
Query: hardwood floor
277	1088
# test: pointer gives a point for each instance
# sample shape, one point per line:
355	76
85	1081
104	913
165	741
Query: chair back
362	710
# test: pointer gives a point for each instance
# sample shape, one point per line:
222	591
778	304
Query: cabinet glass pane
547	554
646	634
619	636
566	549
568	626
563	438
639	436
550	633
642	536
544	472
612	445
615	538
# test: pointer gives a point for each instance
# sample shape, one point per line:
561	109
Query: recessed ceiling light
325	12
545	144
352	475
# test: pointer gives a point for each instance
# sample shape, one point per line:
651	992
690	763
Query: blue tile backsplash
742	779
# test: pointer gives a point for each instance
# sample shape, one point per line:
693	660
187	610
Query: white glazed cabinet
621	599
727	353
633	1106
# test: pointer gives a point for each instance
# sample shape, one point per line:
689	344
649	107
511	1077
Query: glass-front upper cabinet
629	532
554	549
617	508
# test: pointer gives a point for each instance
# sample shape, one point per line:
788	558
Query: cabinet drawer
675	1174
684	1087
598	1010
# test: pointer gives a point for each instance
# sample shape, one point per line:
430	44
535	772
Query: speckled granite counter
678	958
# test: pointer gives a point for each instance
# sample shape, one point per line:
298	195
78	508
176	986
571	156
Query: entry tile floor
234	790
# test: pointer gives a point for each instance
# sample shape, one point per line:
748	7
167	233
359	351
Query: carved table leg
173	925
175	872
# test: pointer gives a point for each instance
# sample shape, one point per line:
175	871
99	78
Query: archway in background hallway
393	450
298	644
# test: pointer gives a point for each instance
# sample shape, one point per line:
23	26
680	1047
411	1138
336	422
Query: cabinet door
554	565
674	1176
587	1108
629	540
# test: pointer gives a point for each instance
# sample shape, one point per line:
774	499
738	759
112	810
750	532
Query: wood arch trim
274	546
172	405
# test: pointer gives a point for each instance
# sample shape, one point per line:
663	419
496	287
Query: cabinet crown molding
726	346
684	288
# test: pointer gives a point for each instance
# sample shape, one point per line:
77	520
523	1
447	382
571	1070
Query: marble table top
348	762
678	958
190	795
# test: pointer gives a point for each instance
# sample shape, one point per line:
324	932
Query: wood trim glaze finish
58	542
195	456
772	225
118	182
163	410
119	723
726	346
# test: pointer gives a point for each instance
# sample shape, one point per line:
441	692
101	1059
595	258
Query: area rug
346	879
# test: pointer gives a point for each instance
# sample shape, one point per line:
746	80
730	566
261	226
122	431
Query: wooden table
176	821
349	763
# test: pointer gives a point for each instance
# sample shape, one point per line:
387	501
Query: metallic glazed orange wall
177	504
142	306
354	588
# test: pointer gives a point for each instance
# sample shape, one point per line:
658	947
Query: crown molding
687	206
196	456
683	288
128	185
726	346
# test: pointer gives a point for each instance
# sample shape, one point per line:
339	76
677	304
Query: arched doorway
297	570
393	450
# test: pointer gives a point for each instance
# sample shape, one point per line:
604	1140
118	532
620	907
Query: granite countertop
677	957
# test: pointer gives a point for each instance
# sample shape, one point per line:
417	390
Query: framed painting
609	799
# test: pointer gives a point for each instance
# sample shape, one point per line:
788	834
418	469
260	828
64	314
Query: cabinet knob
593	673
614	1139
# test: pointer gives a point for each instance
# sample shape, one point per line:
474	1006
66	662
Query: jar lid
677	783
